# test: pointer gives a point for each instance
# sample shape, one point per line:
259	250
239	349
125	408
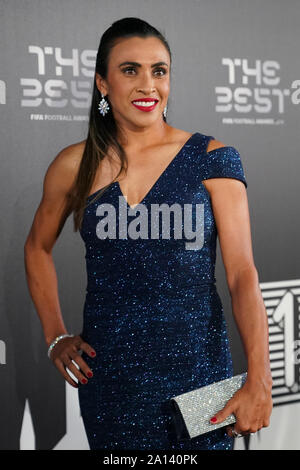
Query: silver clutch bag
192	411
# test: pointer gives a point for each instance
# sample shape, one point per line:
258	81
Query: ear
101	84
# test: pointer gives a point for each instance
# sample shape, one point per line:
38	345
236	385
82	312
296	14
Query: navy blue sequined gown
152	312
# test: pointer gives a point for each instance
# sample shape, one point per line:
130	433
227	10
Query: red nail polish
84	381
93	354
89	374
214	419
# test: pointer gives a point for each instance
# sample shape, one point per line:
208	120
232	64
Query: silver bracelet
58	338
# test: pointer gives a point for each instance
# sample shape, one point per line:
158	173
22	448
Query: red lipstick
145	108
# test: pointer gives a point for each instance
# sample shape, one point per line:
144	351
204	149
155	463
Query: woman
153	321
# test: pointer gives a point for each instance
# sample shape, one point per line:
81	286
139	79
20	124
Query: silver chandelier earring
103	106
165	111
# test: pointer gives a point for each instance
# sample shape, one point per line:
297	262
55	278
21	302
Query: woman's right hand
67	350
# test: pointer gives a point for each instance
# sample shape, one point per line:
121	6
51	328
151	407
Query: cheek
119	93
164	88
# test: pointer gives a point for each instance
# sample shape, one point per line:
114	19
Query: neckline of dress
153	187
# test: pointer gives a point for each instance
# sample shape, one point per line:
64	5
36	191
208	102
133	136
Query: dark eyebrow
139	65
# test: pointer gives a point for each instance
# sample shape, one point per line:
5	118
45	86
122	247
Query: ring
236	434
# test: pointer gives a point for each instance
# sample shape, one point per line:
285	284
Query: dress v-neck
153	187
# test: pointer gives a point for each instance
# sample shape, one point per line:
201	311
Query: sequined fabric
153	314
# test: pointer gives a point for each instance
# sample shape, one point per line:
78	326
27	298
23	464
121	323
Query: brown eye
128	68
161	70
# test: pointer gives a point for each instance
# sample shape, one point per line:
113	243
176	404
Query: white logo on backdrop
282	302
59	80
254	88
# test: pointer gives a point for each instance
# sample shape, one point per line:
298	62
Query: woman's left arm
252	404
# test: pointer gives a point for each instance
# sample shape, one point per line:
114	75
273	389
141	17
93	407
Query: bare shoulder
54	207
62	170
182	136
215	144
71	155
179	135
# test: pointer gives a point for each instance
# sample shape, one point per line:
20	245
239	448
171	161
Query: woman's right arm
41	275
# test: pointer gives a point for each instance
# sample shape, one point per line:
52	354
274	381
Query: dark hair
102	131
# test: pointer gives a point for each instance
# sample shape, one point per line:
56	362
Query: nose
146	82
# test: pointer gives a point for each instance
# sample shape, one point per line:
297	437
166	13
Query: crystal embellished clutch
191	411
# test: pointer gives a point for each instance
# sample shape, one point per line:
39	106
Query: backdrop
236	76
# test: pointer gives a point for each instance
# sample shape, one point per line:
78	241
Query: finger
84	346
67	362
232	429
240	427
243	426
222	414
82	364
64	373
255	426
75	370
229	430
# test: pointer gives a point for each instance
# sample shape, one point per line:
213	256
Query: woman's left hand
252	406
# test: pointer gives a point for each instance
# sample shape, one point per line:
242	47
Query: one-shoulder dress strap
223	162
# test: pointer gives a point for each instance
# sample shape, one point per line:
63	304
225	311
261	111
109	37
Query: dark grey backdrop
236	77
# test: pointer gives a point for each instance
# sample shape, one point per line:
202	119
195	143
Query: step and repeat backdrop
236	76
